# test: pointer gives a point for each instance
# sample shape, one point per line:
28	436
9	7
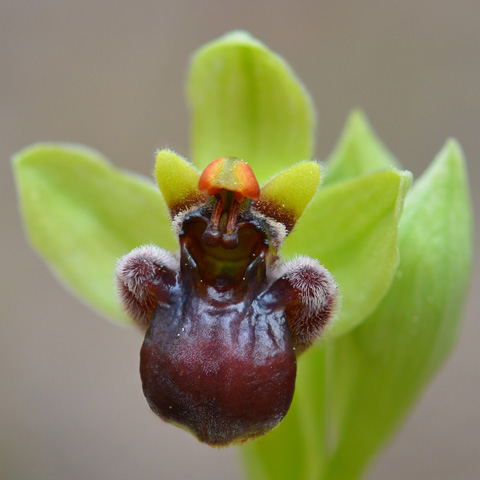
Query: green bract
402	270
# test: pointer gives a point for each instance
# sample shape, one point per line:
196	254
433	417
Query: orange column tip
229	173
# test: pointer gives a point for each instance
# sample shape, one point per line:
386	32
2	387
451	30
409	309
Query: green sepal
392	355
81	214
358	151
351	228
246	102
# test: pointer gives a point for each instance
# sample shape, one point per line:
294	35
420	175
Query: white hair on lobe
316	295
314	283
139	275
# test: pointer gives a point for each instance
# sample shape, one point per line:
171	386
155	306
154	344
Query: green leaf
353	391
351	228
246	102
394	352
358	151
81	215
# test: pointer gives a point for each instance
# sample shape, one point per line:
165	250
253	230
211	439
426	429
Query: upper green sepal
81	214
246	102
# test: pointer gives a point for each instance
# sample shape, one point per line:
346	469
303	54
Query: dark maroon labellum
220	364
225	321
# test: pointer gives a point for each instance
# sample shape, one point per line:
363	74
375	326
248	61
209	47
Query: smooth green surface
391	356
351	228
358	151
246	102
81	215
353	391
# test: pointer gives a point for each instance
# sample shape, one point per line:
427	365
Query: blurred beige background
111	75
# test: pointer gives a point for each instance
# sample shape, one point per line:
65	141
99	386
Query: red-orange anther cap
229	173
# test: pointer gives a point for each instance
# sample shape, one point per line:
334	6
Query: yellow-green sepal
81	214
246	102
351	228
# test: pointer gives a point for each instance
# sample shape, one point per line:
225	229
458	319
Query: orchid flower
385	267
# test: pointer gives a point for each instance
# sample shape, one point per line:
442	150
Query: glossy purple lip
226	319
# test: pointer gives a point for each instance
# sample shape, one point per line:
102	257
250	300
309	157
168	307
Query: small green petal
246	102
81	215
358	151
286	196
177	180
351	228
